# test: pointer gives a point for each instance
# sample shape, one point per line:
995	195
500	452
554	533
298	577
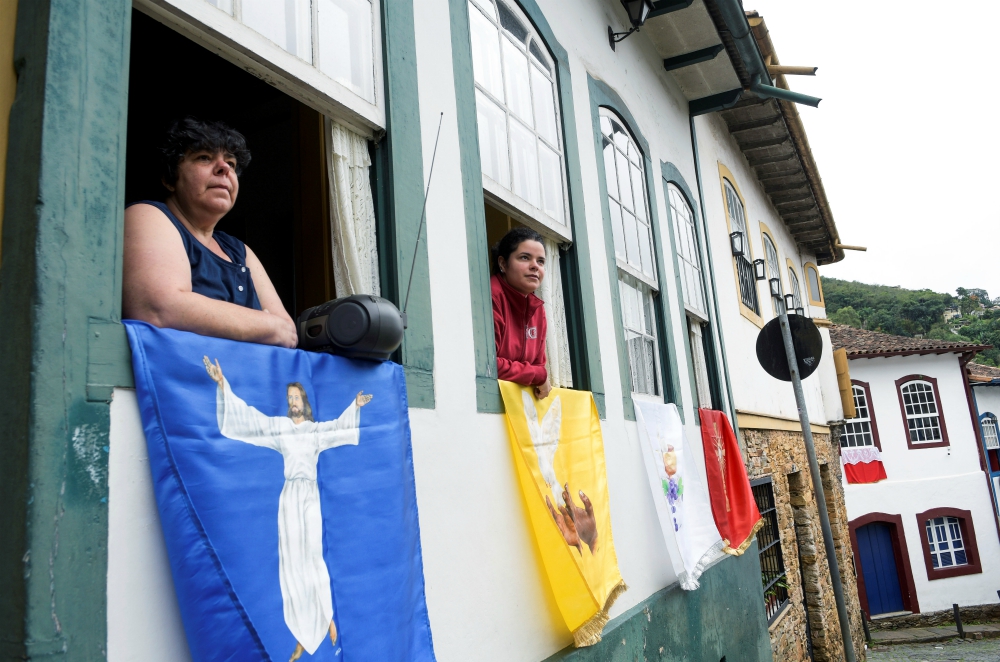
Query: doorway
281	212
878	567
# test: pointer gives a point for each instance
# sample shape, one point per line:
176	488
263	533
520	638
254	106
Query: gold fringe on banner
746	543
589	633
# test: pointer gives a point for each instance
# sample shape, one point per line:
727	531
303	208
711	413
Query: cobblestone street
986	650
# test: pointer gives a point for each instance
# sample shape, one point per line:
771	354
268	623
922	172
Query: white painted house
985	384
925	536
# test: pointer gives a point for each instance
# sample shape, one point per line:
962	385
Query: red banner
733	505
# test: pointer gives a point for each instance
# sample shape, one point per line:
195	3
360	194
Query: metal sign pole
824	516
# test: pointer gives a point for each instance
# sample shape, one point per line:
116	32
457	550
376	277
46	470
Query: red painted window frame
871	411
899	552
974	565
902	381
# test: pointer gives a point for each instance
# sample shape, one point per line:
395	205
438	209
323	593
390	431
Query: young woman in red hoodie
518	315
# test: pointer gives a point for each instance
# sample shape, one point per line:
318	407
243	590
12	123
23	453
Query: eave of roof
864	344
771	135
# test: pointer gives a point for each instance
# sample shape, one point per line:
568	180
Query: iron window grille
744	268
858	430
944	537
922	416
990	435
772	564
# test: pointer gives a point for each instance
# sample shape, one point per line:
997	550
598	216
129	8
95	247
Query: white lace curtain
557	337
352	212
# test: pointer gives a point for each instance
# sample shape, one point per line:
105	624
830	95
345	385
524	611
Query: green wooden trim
723	619
603	96
61	275
399	169
577	273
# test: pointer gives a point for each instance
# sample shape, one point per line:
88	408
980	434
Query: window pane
813	283
485	53
345	44
616	228
610	170
511	23
606	126
631	240
518	90
545	110
486	6
285	22
492	140
224	5
539	57
624	186
552	189
524	155
635	175
645	248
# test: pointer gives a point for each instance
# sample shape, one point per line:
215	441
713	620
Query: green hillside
916	313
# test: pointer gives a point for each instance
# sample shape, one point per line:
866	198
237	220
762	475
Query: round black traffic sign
806	340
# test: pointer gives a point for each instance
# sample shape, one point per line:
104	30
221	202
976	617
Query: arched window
860	430
625	179
920	401
773	265
815	289
793	286
687	252
744	265
991	434
520	145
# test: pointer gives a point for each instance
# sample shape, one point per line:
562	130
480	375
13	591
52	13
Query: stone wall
971	615
811	606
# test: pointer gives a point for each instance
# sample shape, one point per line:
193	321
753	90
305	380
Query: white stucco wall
921	479
753	389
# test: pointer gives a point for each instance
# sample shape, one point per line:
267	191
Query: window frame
988	416
765	236
522	209
726	177
821	302
974	562
902	381
601	95
575	265
222	33
771	513
671	176
866	388
669	188
795	287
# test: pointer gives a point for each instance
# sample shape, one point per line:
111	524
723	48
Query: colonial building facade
655	174
924	530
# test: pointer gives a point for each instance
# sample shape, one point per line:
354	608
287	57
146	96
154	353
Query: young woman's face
207	182
525	268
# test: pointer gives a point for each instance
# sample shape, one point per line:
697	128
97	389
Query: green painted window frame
577	275
671	175
602	96
398	190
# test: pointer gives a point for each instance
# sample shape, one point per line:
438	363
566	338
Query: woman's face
525	268
207	182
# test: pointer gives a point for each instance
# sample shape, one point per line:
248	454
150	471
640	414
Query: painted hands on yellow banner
576	524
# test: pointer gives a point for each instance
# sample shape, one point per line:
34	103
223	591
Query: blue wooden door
878	566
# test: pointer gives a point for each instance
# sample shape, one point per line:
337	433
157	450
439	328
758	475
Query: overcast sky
906	137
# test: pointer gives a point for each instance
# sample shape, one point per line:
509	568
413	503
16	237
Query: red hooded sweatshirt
519	327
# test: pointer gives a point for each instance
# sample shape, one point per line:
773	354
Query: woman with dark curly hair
519	325
178	271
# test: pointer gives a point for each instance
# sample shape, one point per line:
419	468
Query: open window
521	151
305	203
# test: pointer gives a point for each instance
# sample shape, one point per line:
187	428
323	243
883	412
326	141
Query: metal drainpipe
717	330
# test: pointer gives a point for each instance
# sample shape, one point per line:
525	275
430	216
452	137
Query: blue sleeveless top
212	276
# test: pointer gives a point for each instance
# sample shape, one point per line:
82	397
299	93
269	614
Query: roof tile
860	343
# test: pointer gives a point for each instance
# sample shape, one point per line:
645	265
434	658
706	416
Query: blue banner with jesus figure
284	481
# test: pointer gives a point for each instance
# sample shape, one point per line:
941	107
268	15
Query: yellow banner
559	455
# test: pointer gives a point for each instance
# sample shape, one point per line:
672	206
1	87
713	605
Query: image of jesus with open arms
303	575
